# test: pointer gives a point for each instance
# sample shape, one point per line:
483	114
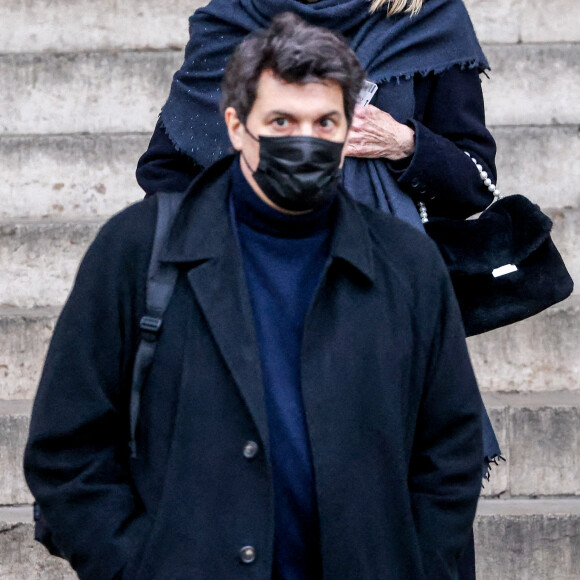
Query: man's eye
327	123
281	122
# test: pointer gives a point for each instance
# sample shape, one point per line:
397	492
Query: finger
378	114
355	140
356	127
360	112
352	148
372	109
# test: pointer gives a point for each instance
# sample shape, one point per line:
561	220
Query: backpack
161	278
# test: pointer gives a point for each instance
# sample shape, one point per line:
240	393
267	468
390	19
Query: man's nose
306	129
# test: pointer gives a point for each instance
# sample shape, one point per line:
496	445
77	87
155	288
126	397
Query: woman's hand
375	134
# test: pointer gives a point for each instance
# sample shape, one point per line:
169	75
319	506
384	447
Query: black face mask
298	173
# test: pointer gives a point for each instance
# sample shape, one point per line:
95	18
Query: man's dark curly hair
295	52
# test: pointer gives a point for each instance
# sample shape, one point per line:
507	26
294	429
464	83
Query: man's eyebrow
281	113
331	113
288	114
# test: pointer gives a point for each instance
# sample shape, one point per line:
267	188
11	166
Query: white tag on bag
503	270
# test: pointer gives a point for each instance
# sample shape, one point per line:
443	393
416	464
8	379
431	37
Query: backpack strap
161	278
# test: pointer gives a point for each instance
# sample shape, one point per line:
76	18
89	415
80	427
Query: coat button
247	554
251	449
415	183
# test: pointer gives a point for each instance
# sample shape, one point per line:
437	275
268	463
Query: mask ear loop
257	140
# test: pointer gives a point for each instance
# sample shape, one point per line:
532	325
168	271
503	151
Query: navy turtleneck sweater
284	257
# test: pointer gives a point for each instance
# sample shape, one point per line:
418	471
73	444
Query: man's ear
235	128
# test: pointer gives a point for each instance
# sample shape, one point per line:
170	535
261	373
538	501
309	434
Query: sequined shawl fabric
439	37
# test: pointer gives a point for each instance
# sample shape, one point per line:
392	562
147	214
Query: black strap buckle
150	325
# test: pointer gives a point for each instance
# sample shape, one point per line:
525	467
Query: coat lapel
202	237
220	289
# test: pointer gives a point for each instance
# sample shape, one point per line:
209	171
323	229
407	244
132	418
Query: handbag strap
484	178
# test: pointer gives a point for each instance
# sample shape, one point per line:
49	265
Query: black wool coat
392	407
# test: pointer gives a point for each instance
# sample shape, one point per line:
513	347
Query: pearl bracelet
485	178
423	213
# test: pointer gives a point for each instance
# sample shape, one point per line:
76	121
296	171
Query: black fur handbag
503	265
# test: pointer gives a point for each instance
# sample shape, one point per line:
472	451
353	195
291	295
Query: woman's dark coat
449	118
392	407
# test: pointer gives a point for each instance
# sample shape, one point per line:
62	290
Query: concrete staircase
81	89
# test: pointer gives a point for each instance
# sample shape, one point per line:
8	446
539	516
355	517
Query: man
311	411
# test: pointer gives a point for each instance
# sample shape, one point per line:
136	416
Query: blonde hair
397	6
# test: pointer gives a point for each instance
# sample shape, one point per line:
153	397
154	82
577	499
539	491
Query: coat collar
202	237
203	228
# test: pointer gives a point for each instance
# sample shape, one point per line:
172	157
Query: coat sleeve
445	467
449	120
162	168
76	458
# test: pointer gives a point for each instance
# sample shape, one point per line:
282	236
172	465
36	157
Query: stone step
84	92
542	163
565	234
94	175
39	258
528	539
533	84
63	26
534	355
504	21
24	338
75	176
540	440
515	540
538	435
14	422
123	92
21	558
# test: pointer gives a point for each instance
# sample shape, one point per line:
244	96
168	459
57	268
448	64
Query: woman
408	146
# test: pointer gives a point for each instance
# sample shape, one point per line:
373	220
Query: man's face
283	109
